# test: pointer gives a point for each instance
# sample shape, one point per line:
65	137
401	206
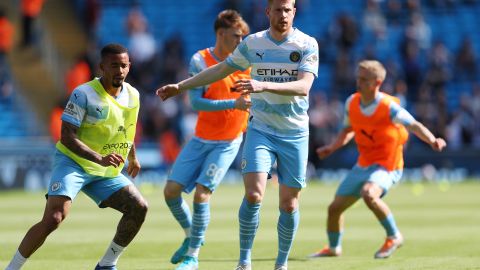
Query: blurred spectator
6	43
30	11
461	130
344	76
395	14
344	31
141	43
475	104
418	31
173	57
400	90
466	61
374	21
143	50
412	70
413	6
438	73
90	15
56	123
78	74
325	120
6	35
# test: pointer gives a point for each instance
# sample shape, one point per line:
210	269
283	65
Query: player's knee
334	209
254	197
142	208
171	193
368	197
288	207
201	197
53	221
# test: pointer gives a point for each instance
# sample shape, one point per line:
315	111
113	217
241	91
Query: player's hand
243	103
112	159
324	151
439	144
133	167
167	91
245	87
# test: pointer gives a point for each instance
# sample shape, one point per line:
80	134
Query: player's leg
216	164
378	184
200	221
249	213
335	225
56	210
183	175
348	192
181	212
287	221
257	161
292	153
120	194
65	183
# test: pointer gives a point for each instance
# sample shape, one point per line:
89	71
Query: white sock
193	252
17	262
187	232
111	255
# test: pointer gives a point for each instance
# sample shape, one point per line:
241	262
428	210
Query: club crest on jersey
244	164
295	57
56	186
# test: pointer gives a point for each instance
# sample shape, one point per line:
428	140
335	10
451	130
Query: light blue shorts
68	178
261	150
203	163
358	176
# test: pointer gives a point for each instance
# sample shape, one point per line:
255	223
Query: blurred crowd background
431	49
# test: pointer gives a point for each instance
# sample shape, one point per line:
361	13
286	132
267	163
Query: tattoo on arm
70	139
132	154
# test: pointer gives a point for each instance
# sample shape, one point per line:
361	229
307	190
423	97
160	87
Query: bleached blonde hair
375	68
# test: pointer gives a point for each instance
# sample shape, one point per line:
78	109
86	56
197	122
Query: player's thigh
292	153
102	188
188	165
258	152
127	200
67	177
217	163
353	182
384	179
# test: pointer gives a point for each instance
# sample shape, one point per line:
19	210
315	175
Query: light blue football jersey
277	61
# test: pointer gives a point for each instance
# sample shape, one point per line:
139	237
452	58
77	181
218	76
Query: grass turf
440	223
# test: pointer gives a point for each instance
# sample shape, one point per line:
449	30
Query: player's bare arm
344	137
425	135
133	163
207	76
70	139
300	87
130	202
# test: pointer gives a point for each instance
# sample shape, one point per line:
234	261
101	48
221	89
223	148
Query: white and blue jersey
277	61
85	105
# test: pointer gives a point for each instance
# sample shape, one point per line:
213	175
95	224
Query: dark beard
114	84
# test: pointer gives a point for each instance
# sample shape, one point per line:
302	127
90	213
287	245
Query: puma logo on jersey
369	136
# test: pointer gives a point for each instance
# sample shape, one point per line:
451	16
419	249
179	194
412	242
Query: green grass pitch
440	223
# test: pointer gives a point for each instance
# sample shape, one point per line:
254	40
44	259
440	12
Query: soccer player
284	63
98	131
204	161
379	125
